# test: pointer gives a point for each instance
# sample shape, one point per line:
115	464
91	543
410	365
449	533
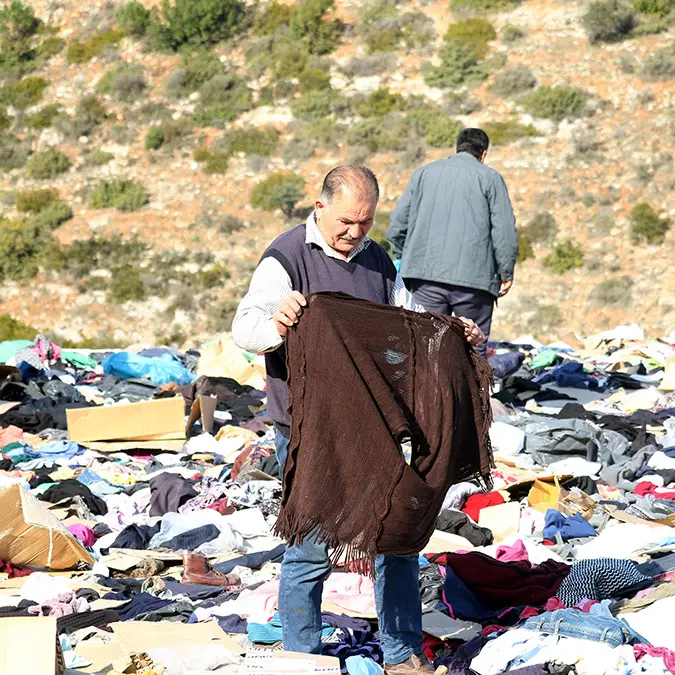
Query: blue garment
397	596
571	374
358	665
574	623
270	632
160	370
505	364
569	527
253	561
56	450
96	484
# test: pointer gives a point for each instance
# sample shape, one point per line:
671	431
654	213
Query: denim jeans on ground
576	624
397	596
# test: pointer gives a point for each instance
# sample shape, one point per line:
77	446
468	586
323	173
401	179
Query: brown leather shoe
415	664
197	570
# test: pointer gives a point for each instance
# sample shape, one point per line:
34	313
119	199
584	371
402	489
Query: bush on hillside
660	65
437	129
417	29
379	134
126	285
298	149
608	21
474	32
252	141
22	245
555	103
52	215
612	292
43	118
13	152
194	22
18	21
133	18
525	250
316	105
455	103
513	81
99	158
278	191
154	139
483	5
646	225
269	20
81	52
24	93
123	195
511	34
326	132
501	133
308	22
314	79
125	82
48	164
198	66
32	201
564	257
18	28
5	120
379	103
369	65
13	329
458	66
542	229
661	8
222	99
214	161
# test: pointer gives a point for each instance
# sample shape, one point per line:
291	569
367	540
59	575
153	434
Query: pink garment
83	533
352	592
45	349
667	655
9	435
63	605
513	553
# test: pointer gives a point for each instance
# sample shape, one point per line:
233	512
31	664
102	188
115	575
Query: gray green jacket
454	224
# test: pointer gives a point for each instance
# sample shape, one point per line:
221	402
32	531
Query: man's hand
473	334
505	288
289	313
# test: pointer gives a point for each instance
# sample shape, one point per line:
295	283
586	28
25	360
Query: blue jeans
397	596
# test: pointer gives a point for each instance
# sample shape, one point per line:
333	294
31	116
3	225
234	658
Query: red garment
430	645
667	655
222	507
476	503
646	488
11	571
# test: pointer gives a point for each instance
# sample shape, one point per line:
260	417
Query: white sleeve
253	328
402	297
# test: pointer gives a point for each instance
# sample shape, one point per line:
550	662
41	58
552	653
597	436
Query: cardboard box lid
277	662
107	447
31	535
163	419
29	645
202	409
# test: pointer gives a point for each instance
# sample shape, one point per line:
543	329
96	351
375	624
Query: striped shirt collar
314	236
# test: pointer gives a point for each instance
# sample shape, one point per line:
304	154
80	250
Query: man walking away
454	231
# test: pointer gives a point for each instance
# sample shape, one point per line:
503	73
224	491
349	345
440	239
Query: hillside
152	129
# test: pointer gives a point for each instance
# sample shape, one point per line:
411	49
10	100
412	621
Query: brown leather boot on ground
197	570
415	664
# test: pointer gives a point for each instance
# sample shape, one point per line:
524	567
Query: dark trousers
470	303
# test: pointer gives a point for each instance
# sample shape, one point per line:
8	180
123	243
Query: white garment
626	540
41	587
458	494
506	439
661	461
655	623
575	466
253	328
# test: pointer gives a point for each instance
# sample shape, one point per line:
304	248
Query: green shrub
24	93
125	82
525	250
379	26
474	32
647	225
511	34
369	65
316	104
314	80
43	118
417	29
48	164
379	134
123	195
197	67
13	153
542	229
506	132
554	103
81	52
437	129
13	329
48	48
513	81
547	317
222	99
274	16
612	292
99	158
483	5
215	162
307	21
194	22
53	215
608	21
5	120
18	28
18	21
252	141
326	132
298	149
126	285
133	18
379	103
564	257
154	139
213	277
32	201
458	66
660	65
22	245
91	112
278	191
660	8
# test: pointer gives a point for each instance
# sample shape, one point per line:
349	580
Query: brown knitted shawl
363	378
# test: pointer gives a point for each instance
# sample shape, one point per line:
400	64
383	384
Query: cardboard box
203	409
163	419
31	535
276	662
30	645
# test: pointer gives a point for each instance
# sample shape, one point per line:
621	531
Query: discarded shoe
197	570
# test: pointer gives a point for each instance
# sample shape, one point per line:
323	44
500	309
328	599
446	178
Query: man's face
346	220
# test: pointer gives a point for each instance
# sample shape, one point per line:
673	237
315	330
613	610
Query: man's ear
483	156
319	208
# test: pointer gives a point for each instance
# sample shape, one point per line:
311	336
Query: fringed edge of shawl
485	378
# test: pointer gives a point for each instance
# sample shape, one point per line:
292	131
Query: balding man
331	252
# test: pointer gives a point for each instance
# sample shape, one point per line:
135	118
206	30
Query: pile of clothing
566	566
